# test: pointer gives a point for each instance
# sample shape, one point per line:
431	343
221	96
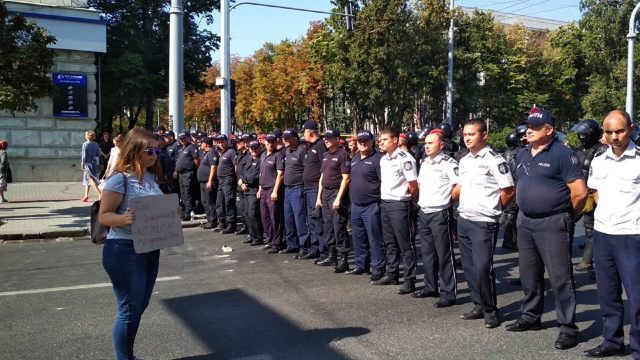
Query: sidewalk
47	210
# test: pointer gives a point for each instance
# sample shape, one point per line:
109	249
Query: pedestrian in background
113	155
90	165
4	169
132	275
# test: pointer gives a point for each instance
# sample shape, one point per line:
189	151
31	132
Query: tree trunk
148	120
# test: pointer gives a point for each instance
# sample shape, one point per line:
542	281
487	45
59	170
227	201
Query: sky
252	26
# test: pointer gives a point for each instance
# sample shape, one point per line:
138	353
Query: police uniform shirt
481	178
437	178
239	161
251	172
396	171
313	164
172	154
269	166
334	165
542	180
209	159
186	158
294	166
617	181
364	186
226	167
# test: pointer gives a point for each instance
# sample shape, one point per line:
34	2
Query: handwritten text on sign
157	224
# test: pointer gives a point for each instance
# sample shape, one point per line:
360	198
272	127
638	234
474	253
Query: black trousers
252	217
396	234
508	220
477	241
226	201
437	253
241	206
208	198
546	243
335	223
188	186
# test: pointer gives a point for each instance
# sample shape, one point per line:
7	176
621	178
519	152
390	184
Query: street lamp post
631	37
449	109
176	66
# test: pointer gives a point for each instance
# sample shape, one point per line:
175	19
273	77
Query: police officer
486	187
270	193
436	181
398	187
250	185
366	227
169	168
589	132
186	164
334	200
551	190
510	213
295	210
450	146
615	180
311	176
209	158
242	156
227	182
413	143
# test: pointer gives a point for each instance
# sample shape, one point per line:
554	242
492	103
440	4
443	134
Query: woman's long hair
135	142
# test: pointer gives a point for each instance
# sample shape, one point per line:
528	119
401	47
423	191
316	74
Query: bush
497	139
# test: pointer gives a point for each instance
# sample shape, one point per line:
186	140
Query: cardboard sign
158	224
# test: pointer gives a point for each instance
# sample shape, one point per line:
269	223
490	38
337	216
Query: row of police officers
298	194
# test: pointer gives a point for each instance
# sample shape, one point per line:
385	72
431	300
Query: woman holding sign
135	174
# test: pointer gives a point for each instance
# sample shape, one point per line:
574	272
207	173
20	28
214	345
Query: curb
72	233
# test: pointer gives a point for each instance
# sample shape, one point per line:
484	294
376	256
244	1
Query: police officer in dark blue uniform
209	158
227	182
250	185
510	213
366	227
242	155
295	210
270	193
334	201
310	177
186	164
551	190
169	167
589	132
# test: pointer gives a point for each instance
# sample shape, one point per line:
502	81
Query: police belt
546	214
367	203
294	186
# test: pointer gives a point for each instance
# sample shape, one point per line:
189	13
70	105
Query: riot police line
297	192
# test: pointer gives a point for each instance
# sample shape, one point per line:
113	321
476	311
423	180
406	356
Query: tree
136	66
25	61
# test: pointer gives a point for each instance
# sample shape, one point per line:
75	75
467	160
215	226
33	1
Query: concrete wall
44	148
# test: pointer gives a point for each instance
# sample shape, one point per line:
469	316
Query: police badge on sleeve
408	166
503	168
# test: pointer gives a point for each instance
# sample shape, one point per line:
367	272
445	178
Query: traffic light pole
225	70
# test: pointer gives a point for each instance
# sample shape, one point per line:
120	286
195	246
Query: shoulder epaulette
446	157
601	150
495	154
402	153
638	150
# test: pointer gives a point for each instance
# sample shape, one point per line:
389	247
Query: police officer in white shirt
398	186
615	177
438	176
486	187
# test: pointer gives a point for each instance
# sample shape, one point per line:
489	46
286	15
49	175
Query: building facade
45	145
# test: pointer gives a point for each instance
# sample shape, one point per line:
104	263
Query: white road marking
78	287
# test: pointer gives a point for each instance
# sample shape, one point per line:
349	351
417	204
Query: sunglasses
151	151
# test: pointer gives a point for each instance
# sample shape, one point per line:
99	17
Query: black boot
330	260
228	230
242	230
408	287
343	264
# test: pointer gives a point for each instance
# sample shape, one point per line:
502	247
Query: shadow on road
234	325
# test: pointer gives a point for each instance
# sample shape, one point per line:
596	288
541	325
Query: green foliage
497	139
136	66
25	61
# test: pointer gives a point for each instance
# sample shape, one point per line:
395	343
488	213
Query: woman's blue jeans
133	277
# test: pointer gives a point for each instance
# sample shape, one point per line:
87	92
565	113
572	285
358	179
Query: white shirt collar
630	151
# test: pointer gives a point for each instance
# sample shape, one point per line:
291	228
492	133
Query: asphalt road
250	305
